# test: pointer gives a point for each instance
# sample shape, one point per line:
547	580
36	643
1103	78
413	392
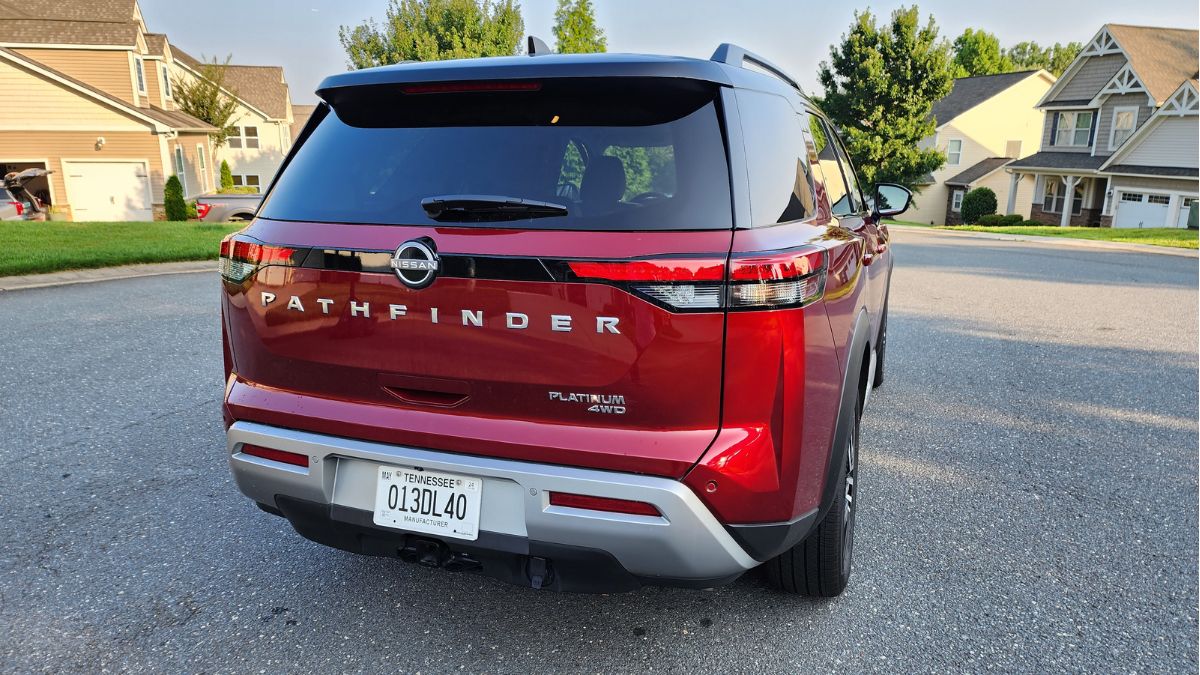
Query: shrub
978	203
191	210
1032	223
226	176
991	220
239	190
1012	219
173	202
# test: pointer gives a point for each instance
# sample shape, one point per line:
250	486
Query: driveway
1029	501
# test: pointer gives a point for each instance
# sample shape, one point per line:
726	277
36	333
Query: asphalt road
1029	502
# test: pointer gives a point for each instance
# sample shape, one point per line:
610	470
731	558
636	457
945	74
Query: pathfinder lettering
560	323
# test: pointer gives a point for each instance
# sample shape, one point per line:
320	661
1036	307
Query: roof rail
733	55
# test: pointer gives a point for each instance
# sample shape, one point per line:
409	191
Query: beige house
983	124
263	120
86	92
1121	142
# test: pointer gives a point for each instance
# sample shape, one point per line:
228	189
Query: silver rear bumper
686	542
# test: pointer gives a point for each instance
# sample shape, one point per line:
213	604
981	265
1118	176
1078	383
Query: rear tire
819	566
881	350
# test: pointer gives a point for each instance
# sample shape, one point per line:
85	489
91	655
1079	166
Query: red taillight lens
241	257
461	87
659	269
20	207
293	458
776	280
202	209
603	504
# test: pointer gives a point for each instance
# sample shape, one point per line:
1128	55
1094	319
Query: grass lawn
29	247
1158	236
889	221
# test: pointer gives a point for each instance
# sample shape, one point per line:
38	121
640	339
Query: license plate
432	502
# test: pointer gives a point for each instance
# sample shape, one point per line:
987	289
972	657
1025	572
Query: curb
22	282
1054	242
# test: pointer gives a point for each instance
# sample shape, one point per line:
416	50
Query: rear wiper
476	208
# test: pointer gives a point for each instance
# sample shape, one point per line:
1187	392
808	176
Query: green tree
978	203
226	176
575	29
173	202
1029	55
432	30
977	52
880	86
208	97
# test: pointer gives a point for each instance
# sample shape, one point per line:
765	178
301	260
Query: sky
301	35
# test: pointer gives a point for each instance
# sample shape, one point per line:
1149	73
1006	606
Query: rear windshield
615	154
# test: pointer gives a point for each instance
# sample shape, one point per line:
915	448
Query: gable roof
978	171
156	43
300	114
263	87
1183	102
176	120
82	22
1161	57
968	92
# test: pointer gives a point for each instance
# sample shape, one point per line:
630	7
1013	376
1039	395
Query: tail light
20	207
202	210
776	280
608	504
242	256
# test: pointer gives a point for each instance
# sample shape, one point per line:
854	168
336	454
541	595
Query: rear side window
615	154
834	169
780	185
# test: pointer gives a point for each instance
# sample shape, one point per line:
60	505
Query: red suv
579	322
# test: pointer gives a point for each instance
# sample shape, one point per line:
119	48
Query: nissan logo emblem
416	262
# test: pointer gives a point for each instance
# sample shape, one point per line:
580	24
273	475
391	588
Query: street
1029	501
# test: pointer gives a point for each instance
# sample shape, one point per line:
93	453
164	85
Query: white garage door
1137	209
108	190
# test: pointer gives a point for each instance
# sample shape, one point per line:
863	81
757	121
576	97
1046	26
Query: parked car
226	206
16	201
579	322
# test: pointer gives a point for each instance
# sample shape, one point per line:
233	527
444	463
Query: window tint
855	202
827	165
375	163
780	185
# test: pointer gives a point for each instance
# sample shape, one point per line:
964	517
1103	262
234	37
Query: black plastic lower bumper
517	560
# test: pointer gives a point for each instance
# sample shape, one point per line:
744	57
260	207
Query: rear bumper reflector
274	455
609	504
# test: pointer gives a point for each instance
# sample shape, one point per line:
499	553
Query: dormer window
1074	129
140	72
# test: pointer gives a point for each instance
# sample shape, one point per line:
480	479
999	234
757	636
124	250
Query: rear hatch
525	269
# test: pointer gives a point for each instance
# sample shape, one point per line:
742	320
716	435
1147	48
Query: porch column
1014	181
1068	200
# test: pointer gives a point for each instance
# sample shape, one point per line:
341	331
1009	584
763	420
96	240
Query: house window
1132	197
140	71
1158	199
1124	121
1074	129
954	152
180	168
202	166
1053	201
956	199
247	180
244	137
166	82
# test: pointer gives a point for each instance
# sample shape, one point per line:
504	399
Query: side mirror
891	200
